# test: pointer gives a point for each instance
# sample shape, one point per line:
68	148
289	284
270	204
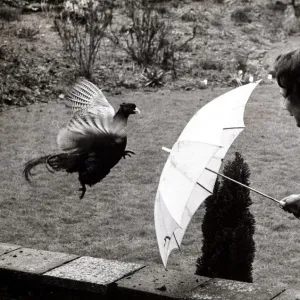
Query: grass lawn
115	219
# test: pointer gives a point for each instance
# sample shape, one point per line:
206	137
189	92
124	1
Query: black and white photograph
149	149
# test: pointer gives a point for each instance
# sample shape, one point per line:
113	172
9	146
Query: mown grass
115	219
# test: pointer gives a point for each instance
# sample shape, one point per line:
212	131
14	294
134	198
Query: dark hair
287	72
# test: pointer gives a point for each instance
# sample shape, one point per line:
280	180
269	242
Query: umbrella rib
228	128
176	241
204	187
183	173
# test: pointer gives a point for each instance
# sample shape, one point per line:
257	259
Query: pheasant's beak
136	111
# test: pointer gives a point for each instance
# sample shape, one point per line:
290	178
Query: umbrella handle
246	186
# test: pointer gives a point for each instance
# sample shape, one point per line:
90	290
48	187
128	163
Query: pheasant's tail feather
33	163
53	162
63	162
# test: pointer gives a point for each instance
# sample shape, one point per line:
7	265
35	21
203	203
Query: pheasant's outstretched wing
85	131
86	98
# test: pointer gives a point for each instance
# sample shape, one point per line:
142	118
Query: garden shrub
27	32
190	16
9	14
241	15
82	32
209	64
149	38
228	227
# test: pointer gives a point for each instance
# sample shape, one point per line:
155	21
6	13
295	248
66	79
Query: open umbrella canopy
187	178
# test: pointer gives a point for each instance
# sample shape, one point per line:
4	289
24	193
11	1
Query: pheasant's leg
127	153
83	190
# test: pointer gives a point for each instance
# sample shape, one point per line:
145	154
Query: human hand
291	204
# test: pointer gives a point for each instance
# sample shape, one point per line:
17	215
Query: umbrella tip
166	149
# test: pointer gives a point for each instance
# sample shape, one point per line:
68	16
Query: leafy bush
26	78
163	10
3	51
241	59
13	91
190	16
209	64
22	3
9	14
277	6
153	77
149	38
55	2
241	15
14	3
27	32
83	31
176	3
228	227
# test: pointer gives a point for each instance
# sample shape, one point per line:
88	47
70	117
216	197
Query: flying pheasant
93	141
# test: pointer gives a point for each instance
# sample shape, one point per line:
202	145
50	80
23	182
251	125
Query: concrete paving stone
158	282
33	261
90	273
5	248
221	289
289	294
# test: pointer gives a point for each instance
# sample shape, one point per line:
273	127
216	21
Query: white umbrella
191	170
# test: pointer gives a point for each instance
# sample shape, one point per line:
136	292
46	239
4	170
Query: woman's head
287	70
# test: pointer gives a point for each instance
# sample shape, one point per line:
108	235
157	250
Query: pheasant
93	141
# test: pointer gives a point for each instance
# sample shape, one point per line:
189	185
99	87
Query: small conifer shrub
228	227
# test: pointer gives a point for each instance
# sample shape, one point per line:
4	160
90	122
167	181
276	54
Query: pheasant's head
129	109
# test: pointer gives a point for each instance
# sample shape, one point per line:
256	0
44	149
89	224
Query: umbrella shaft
246	186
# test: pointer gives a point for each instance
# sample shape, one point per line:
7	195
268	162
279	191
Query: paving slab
221	289
289	294
33	261
5	248
90	273
155	282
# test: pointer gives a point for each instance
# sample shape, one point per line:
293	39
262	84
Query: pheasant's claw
83	190
127	153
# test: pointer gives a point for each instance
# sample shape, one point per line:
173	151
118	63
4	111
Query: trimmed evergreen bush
228	227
